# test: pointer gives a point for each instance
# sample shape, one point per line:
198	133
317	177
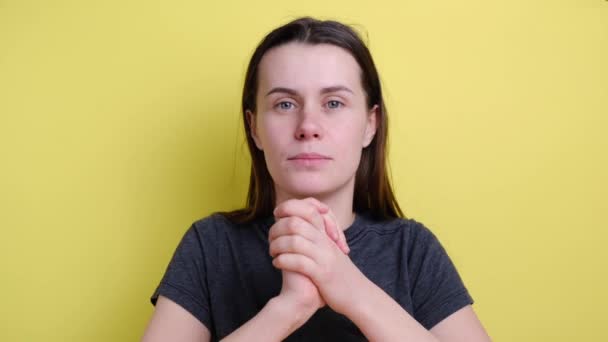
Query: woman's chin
309	190
312	186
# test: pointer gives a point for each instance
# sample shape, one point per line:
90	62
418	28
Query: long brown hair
373	192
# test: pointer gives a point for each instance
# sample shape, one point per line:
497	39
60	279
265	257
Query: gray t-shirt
222	273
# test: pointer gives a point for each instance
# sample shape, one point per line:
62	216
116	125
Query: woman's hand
304	248
314	215
310	209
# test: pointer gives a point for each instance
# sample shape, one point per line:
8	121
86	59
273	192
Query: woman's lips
311	156
309	159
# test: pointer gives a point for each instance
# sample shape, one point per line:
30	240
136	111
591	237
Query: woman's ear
251	122
370	126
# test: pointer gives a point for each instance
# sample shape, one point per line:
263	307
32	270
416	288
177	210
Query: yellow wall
119	127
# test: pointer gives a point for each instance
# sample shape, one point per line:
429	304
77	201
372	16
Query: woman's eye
284	105
333	104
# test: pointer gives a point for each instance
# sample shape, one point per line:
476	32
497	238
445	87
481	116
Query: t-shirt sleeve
437	288
184	281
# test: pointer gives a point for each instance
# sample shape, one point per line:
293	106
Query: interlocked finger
292	244
306	209
293	225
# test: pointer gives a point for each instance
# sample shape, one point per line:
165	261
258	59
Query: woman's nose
309	126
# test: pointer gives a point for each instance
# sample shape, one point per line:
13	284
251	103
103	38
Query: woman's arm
348	291
275	322
380	318
298	301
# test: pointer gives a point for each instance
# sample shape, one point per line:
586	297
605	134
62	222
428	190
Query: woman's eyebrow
325	90
282	90
336	88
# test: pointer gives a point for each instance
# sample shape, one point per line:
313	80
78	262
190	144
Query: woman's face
311	120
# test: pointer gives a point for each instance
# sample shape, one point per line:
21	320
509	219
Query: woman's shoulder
393	223
219	223
407	227
211	221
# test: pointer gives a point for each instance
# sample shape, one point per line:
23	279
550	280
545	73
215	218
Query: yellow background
119	126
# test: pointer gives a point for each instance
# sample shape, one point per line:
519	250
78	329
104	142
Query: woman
322	250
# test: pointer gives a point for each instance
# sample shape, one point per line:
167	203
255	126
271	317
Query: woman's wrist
278	319
361	293
295	312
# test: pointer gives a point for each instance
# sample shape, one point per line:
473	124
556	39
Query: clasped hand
311	250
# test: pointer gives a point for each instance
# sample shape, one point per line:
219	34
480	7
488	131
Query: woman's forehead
307	67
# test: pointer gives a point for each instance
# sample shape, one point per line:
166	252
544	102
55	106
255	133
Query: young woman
322	250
